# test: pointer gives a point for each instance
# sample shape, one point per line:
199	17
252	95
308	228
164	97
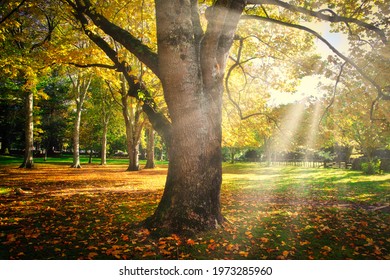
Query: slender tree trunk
150	149
104	144
90	156
76	139
132	144
29	132
131	114
232	155
80	88
349	150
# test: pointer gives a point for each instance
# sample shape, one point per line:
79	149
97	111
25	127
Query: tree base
133	168
184	225
150	165
75	166
27	165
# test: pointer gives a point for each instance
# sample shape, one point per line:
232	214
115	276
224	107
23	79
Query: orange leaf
125	237
11	237
148	254
190	242
91	255
377	251
370	242
264	239
364	223
244	254
326	248
139	249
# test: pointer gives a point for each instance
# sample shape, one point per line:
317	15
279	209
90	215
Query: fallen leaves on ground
92	213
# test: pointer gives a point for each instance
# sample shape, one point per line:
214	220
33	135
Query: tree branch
159	121
238	63
3	19
320	14
334	92
126	39
101	65
339	54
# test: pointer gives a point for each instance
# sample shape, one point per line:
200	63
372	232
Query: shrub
372	167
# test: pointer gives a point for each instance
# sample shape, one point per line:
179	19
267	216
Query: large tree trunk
29	132
193	90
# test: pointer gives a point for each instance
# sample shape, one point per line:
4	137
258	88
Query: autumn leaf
364	223
264	239
139	249
370	242
11	237
148	254
92	255
190	242
326	248
249	234
212	246
125	237
243	254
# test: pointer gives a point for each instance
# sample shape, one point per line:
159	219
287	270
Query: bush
372	167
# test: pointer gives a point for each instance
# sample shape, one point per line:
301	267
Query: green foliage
372	167
327	155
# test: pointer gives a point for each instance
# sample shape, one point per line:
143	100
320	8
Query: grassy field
272	213
66	160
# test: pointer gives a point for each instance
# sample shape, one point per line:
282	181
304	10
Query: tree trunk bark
133	151
76	139
193	91
29	132
232	155
150	150
90	156
132	139
104	144
81	85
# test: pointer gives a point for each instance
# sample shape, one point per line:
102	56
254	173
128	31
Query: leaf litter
94	213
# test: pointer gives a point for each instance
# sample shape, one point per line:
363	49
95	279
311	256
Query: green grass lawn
271	213
66	160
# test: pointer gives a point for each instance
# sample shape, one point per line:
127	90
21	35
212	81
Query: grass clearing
272	213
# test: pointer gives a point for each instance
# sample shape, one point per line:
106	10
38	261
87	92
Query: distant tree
53	112
79	90
25	33
150	148
11	115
